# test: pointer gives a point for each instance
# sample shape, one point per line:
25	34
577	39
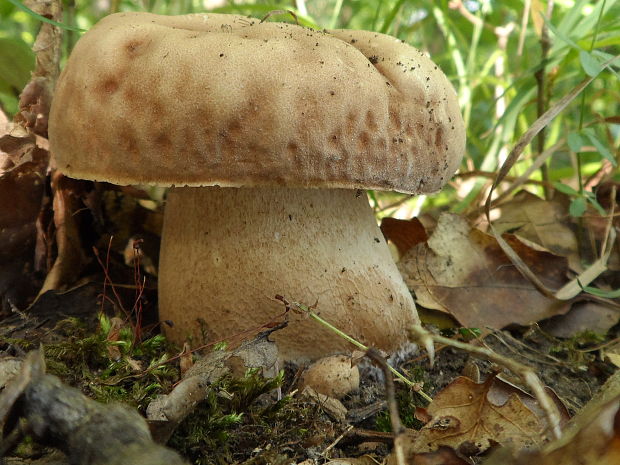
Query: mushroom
334	376
270	131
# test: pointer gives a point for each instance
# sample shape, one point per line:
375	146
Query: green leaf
16	63
590	64
602	149
566	189
599	293
577	207
43	19
575	142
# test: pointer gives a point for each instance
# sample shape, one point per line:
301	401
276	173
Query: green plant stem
541	101
361	346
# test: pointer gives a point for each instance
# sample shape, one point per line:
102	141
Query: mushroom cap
334	376
211	99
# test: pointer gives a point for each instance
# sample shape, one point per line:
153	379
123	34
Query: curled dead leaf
542	222
404	234
464	272
595	440
465	413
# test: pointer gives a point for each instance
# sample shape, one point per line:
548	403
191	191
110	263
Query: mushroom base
227	252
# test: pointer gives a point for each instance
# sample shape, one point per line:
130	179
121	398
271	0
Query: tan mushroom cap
209	99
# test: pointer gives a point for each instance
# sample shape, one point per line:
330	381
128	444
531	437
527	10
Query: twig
336	441
390	393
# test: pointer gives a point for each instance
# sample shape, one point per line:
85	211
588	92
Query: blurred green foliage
491	51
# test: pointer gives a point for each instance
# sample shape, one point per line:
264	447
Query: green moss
233	421
123	369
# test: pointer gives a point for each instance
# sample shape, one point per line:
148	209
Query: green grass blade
43	19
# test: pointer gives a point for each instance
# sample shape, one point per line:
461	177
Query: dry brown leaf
501	390
595	441
583	316
464	416
404	234
23	165
21	197
71	257
464	272
543	222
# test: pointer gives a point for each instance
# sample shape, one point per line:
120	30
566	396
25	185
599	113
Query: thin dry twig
390	393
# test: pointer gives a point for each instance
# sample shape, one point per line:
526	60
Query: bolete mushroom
271	130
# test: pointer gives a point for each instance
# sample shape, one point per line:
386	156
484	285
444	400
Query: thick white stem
227	252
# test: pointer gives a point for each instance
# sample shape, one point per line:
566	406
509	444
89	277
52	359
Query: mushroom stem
227	252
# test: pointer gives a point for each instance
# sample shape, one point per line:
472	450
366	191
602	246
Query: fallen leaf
464	272
21	197
331	406
543	222
594	439
23	166
583	316
71	257
404	234
501	390
464	415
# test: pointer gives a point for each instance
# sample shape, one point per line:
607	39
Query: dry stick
492	174
525	372
396	203
390	393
